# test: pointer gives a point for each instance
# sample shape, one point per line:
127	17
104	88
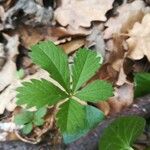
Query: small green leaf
38	121
142	84
52	58
23	118
121	133
86	63
39	93
93	117
27	128
71	117
41	112
96	91
20	73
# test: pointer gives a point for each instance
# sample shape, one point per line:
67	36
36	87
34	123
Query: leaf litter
120	33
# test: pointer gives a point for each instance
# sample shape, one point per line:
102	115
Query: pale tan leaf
139	41
123	97
12	45
80	13
7	74
72	45
129	13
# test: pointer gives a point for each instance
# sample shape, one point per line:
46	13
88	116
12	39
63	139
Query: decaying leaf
12	45
123	97
9	69
2	12
129	13
7	74
73	45
80	13
139	41
2	56
95	40
31	9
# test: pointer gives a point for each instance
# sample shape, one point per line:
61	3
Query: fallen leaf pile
118	30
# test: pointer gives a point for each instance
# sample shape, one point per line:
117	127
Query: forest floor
119	30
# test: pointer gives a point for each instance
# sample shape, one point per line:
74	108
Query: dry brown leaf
2	12
104	106
7	74
129	13
121	77
73	45
96	40
139	41
80	13
2	56
12	46
30	36
123	97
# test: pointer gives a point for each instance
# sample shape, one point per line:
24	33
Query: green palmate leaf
41	112
20	74
51	58
86	63
142	84
23	118
71	117
39	93
27	128
96	91
38	121
121	133
93	117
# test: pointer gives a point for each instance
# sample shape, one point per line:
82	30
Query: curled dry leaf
95	39
139	41
7	74
12	45
123	97
121	77
2	56
2	12
76	14
73	45
9	68
104	106
32	35
129	13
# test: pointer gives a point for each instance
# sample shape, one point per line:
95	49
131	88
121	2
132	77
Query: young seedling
74	116
122	133
29	119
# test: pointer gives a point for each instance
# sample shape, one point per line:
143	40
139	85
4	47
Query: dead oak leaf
139	41
122	98
80	13
129	13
